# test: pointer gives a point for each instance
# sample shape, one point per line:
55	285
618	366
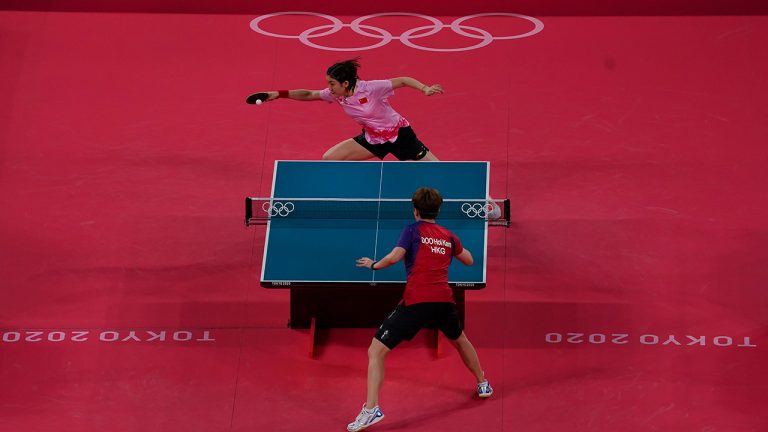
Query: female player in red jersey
427	301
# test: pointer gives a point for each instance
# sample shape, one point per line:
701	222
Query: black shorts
406	147
405	321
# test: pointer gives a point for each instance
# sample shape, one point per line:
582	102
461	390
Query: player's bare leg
371	414
429	157
377	352
348	150
470	359
469	356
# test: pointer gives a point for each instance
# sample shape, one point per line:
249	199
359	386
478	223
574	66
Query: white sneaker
494	211
484	389
366	418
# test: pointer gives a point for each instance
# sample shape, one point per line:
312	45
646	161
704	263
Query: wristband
373	264
283	94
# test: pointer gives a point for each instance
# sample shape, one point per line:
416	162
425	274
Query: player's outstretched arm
416	84
391	258
297	94
465	257
300	94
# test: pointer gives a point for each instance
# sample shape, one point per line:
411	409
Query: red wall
447	7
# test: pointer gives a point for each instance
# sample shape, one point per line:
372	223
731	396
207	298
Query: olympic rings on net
277	208
406	38
476	210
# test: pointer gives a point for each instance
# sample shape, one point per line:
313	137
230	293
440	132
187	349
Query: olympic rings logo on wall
406	38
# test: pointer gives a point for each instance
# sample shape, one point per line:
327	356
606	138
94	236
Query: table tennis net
260	210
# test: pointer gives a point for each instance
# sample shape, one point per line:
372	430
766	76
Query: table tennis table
323	215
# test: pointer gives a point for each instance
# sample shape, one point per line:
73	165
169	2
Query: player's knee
334	154
459	341
429	157
377	350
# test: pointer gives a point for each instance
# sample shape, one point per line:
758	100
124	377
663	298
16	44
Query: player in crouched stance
428	249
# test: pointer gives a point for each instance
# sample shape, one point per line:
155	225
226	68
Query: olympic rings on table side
476	210
277	208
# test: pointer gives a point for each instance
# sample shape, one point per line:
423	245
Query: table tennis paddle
260	96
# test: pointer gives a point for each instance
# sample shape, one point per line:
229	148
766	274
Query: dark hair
427	201
345	71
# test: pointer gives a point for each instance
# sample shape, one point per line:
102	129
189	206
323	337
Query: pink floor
628	294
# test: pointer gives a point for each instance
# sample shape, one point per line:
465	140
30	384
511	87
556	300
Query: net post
248	211
507	212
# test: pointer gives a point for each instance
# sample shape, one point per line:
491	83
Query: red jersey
429	249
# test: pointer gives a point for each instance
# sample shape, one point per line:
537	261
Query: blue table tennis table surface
301	251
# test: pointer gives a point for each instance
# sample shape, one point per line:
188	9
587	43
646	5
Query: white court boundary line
269	222
485	239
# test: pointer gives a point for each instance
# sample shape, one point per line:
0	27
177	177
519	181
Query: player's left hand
433	89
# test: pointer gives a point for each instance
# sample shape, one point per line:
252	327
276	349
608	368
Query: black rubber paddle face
256	96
